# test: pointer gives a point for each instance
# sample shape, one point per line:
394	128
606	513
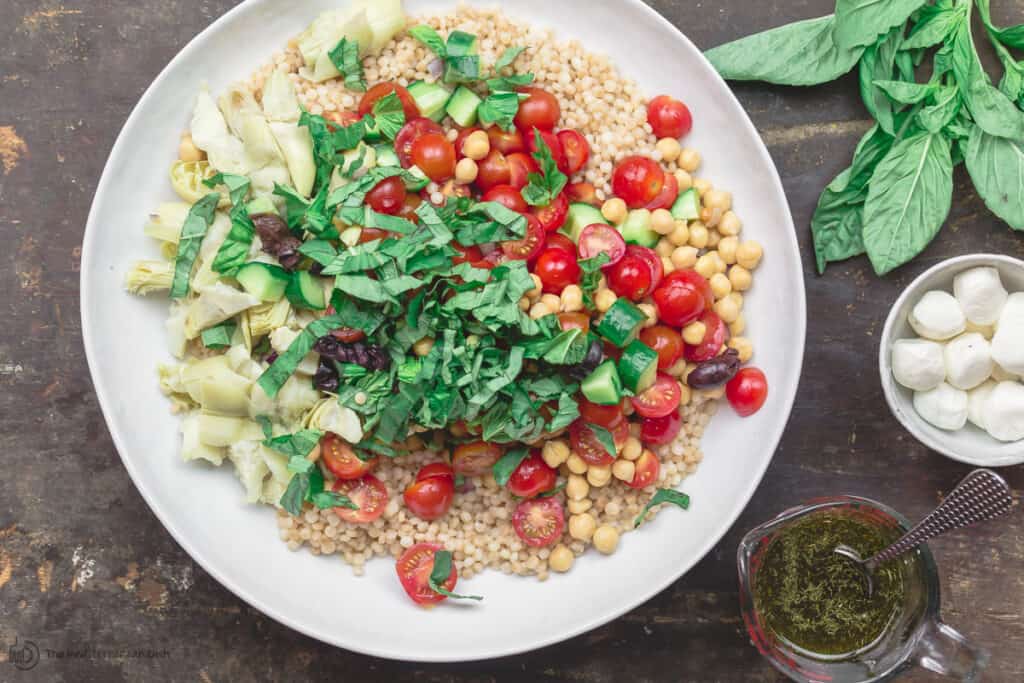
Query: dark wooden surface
85	565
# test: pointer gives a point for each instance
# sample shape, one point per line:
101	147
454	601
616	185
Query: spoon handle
981	495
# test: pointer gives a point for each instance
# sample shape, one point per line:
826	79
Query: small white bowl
970	444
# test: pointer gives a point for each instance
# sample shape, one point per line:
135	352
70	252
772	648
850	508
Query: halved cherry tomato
576	148
630	277
520	165
470	254
461	138
659	399
380	91
371	234
599	238
667	197
348	335
574	321
539	522
530	246
657	431
716	333
552	216
341	460
666	341
556	269
435	156
583	192
637	180
430	497
507	196
342	118
651	258
435	469
608	417
586	444
492	171
506	142
387	196
408	135
532	476
646	472
682	297
368	492
551	140
669	118
539	110
747	391
557	240
414	568
409	206
476	458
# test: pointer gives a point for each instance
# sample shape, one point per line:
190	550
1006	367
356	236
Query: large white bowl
238	544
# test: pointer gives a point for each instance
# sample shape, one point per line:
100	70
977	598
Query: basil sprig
439	575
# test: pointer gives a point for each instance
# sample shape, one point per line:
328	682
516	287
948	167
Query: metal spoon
980	496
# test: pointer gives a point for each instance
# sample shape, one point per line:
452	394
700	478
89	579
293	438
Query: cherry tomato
532	476
667	197
747	391
630	277
380	91
539	110
507	196
653	261
493	170
551	140
637	180
470	254
387	196
341	460
664	340
552	216
557	240
669	118
520	165
506	142
408	135
429	498
682	297
476	458
715	334
608	417
435	469
414	568
530	246
646	472
539	522
368	493
461	138
557	268
435	156
409	206
574	321
659	399
371	234
657	431
576	148
342	118
584	193
586	444
599	238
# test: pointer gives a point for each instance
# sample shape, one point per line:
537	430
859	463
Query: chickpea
698	235
537	287
582	527
606	539
748	254
705	266
713	238
727	310
577	487
578	507
604	299
614	210
677	370
727	248
718	199
738	326
721	286
525	303
693	333
423	346
680	234
561	559
662	221
737	299
539	310
599	475
689	159
632	449
187	150
623	469
684	257
702	185
476	145
465	171
576	464
651	312
684	179
730	224
670	149
684	393
664	247
743	347
572	298
740	278
555	452
667	265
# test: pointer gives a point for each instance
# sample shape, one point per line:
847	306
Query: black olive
595	354
326	377
714	371
369	356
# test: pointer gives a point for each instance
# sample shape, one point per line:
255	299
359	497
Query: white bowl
970	445
238	544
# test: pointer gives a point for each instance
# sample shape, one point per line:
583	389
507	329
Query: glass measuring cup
915	636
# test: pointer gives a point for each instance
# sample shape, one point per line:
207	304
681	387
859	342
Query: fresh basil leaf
992	110
234	250
345	57
677	498
266	425
321	251
389	115
1012	36
200	216
877	63
908	199
219	337
348	137
505	84
861	22
568	411
604	437
937	116
996	166
326	500
933	27
300	444
429	37
544	187
801	53
499	108
508	463
298	464
238	185
440	573
907	93
295	495
362	287
508	56
274	377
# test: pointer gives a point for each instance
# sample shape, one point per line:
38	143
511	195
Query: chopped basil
505	84
591	276
320	251
274	377
440	573
543	187
345	57
219	337
429	37
200	216
568	411
234	251
507	57
553	491
348	137
499	108
300	444
309	486
663	496
508	463
605	437
388	115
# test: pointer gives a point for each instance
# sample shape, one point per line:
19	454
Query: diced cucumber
461	43
462	106
305	291
687	206
621	323
602	386
638	366
421	179
431	98
264	281
386	155
260	205
580	216
636	229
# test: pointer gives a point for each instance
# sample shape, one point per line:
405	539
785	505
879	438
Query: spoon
980	496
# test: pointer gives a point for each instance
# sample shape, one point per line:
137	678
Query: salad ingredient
553	214
677	498
603	386
341	460
660	399
1004	411
507	196
415	567
1008	341
387	196
576	149
660	430
944	406
621	323
714	371
637	181
669	118
520	166
530	245
540	110
606	539
506	141
431	100
681	297
968	360
981	294
463	105
630	277
539	521
431	495
407	135
368	493
710	331
666	342
476	458
435	156
937	316
977	399
638	366
747	391
493	171
607	416
645	470
382	90
532	477
599	238
918	364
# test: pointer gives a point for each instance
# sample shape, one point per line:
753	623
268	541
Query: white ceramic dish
238	544
970	444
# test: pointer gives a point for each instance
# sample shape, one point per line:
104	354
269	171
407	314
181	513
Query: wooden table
85	567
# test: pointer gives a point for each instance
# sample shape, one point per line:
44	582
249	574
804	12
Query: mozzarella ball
918	363
981	294
1008	341
937	316
944	406
976	398
1004	411
968	361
